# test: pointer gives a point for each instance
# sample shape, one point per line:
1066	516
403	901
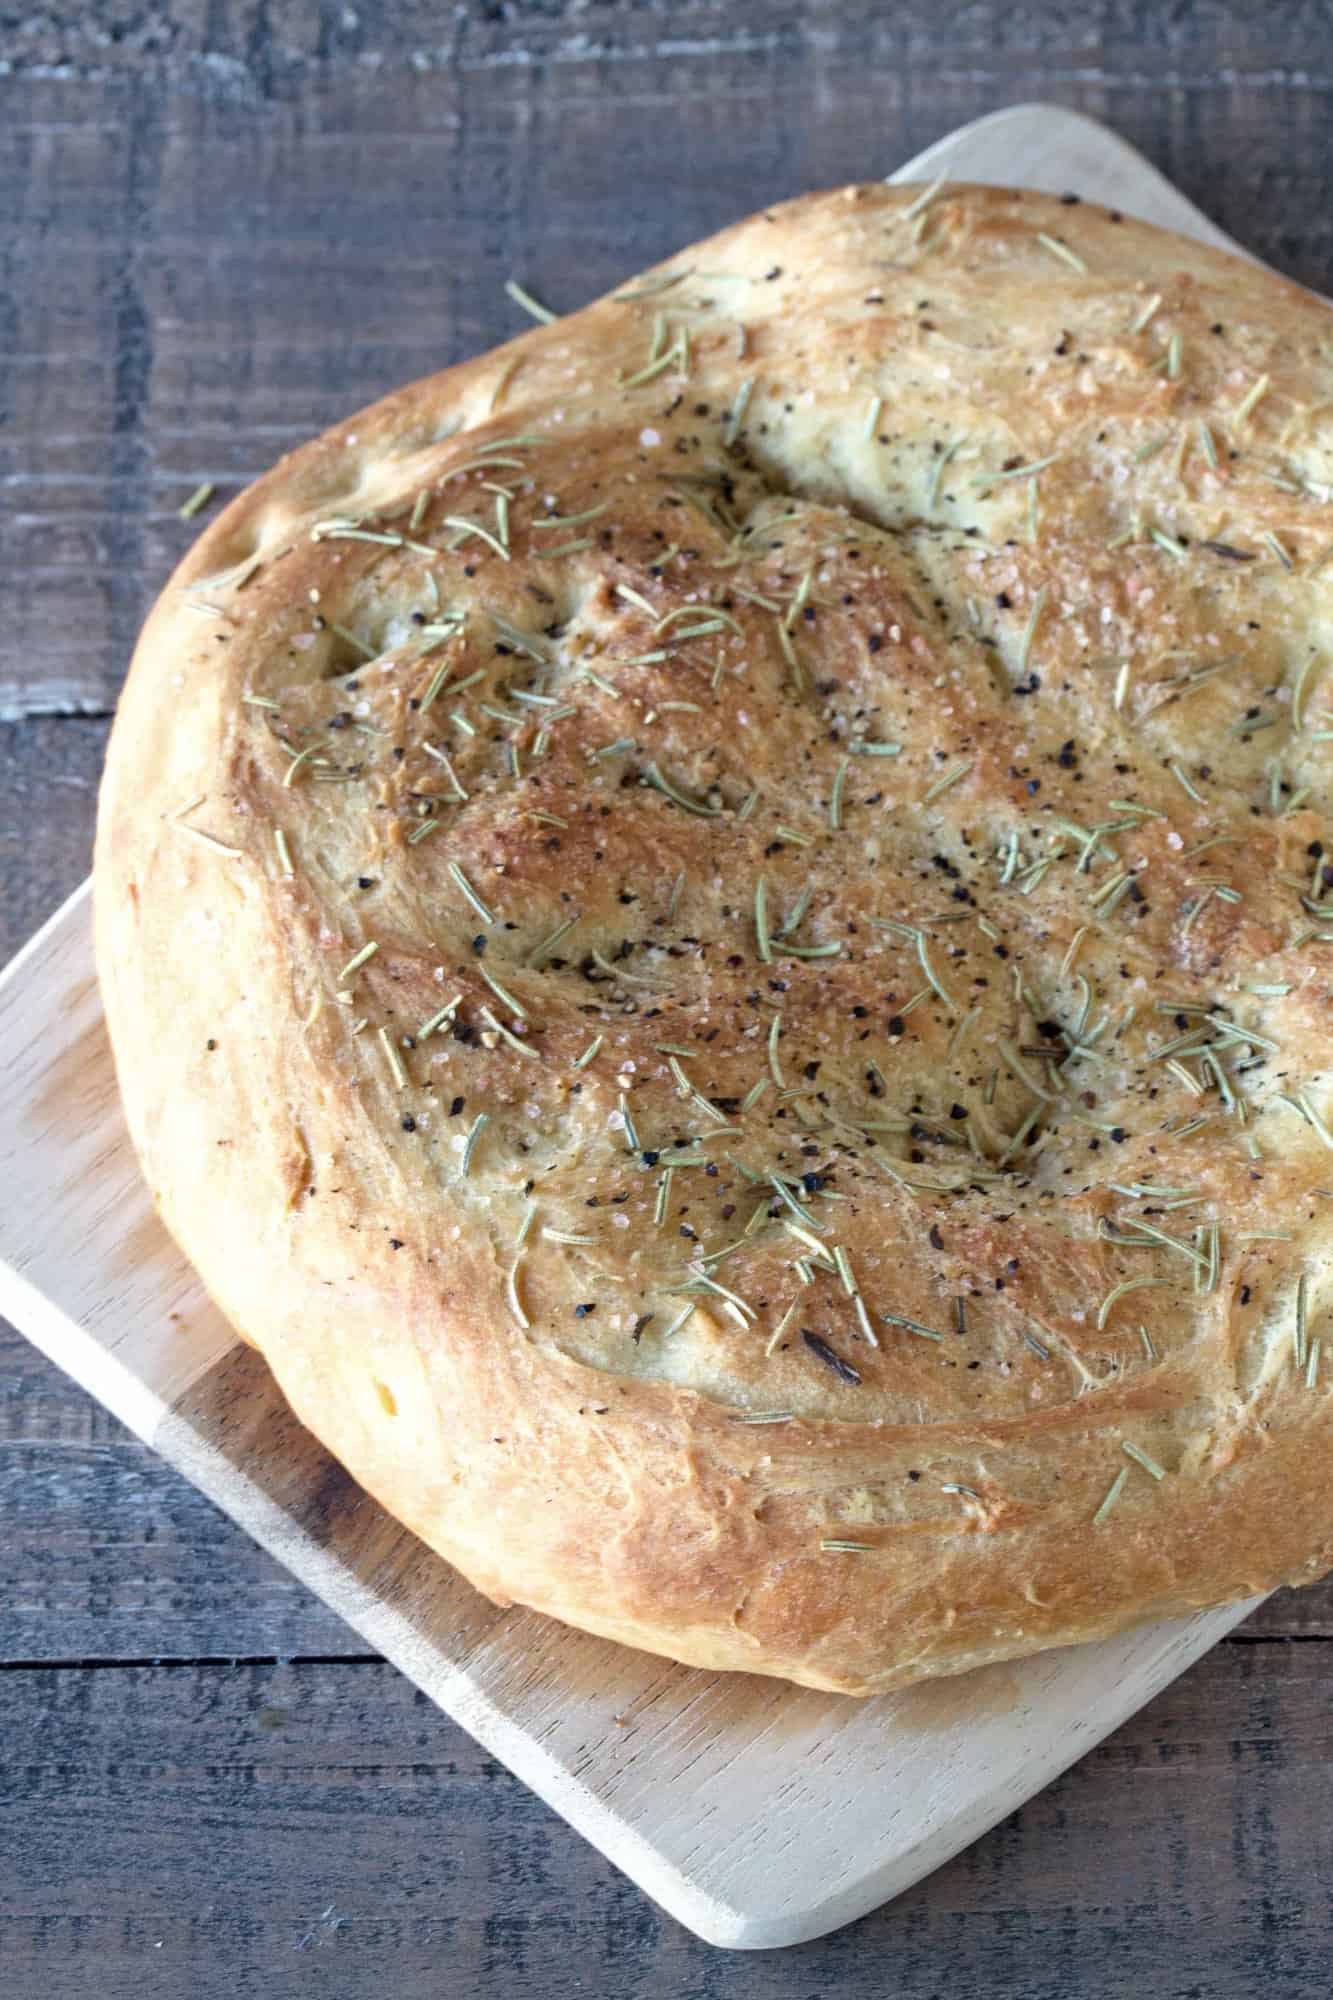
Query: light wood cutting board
757	1814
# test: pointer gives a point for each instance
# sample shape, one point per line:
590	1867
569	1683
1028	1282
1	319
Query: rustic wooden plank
205	1830
1294	1614
49	771
109	1554
275	53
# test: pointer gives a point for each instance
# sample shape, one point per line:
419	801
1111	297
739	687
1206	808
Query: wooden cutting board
757	1814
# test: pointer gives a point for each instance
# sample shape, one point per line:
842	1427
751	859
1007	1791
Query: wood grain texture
49	771
323	1829
184	185
109	1554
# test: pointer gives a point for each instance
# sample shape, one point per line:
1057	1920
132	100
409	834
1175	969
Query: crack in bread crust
717	936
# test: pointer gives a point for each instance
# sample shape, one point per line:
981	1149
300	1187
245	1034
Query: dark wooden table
223	226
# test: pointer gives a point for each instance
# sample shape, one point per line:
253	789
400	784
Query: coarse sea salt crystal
649	438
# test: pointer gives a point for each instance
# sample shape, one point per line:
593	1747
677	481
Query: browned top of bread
717	939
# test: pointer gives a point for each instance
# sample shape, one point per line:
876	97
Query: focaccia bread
718	939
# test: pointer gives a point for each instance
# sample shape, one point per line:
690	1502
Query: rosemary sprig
523	298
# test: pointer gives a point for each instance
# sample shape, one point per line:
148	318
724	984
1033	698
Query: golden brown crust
864	875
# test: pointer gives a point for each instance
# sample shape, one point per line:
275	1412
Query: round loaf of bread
718	932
